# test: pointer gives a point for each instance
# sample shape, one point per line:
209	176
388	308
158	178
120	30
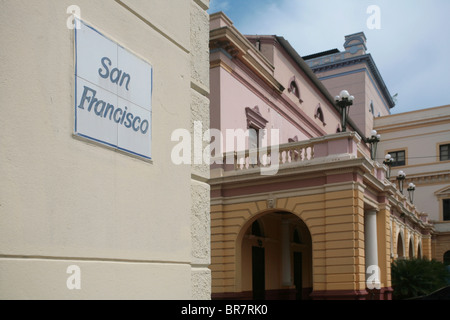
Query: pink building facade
260	82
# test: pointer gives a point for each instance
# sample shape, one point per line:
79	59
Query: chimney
356	43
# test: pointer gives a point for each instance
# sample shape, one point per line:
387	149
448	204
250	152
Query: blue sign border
76	92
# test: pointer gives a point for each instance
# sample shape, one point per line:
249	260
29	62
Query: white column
285	254
371	247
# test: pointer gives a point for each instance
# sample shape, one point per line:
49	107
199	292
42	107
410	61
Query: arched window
296	237
372	108
257	229
294	89
411	249
419	251
318	114
400	251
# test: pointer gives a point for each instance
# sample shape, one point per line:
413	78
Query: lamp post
373	140
388	162
411	189
344	100
400	178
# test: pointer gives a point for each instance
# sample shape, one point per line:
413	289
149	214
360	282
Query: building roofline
413	119
313	77
228	39
424	110
320	54
367	58
373	67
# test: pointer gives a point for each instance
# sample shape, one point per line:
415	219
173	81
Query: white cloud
218	5
410	49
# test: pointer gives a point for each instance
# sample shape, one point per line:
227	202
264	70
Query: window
372	109
297	238
255	123
443	152
446	209
319	114
257	230
294	89
253	138
254	118
258	45
398	158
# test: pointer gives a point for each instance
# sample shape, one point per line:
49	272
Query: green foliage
417	277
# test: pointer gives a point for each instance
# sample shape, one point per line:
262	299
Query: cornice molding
340	64
238	47
428	179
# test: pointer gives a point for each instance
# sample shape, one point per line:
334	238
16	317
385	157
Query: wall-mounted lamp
373	140
400	178
344	100
411	189
388	160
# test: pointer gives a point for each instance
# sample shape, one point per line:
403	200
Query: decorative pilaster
199	120
384	225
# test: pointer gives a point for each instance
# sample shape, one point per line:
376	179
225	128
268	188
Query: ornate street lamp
411	189
400	178
373	140
388	162
344	100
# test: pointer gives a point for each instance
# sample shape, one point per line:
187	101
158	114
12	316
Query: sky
409	40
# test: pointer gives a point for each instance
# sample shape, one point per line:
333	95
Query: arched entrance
400	246
411	249
276	257
419	251
447	258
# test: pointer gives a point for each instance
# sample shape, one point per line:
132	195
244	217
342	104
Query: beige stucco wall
419	133
136	229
